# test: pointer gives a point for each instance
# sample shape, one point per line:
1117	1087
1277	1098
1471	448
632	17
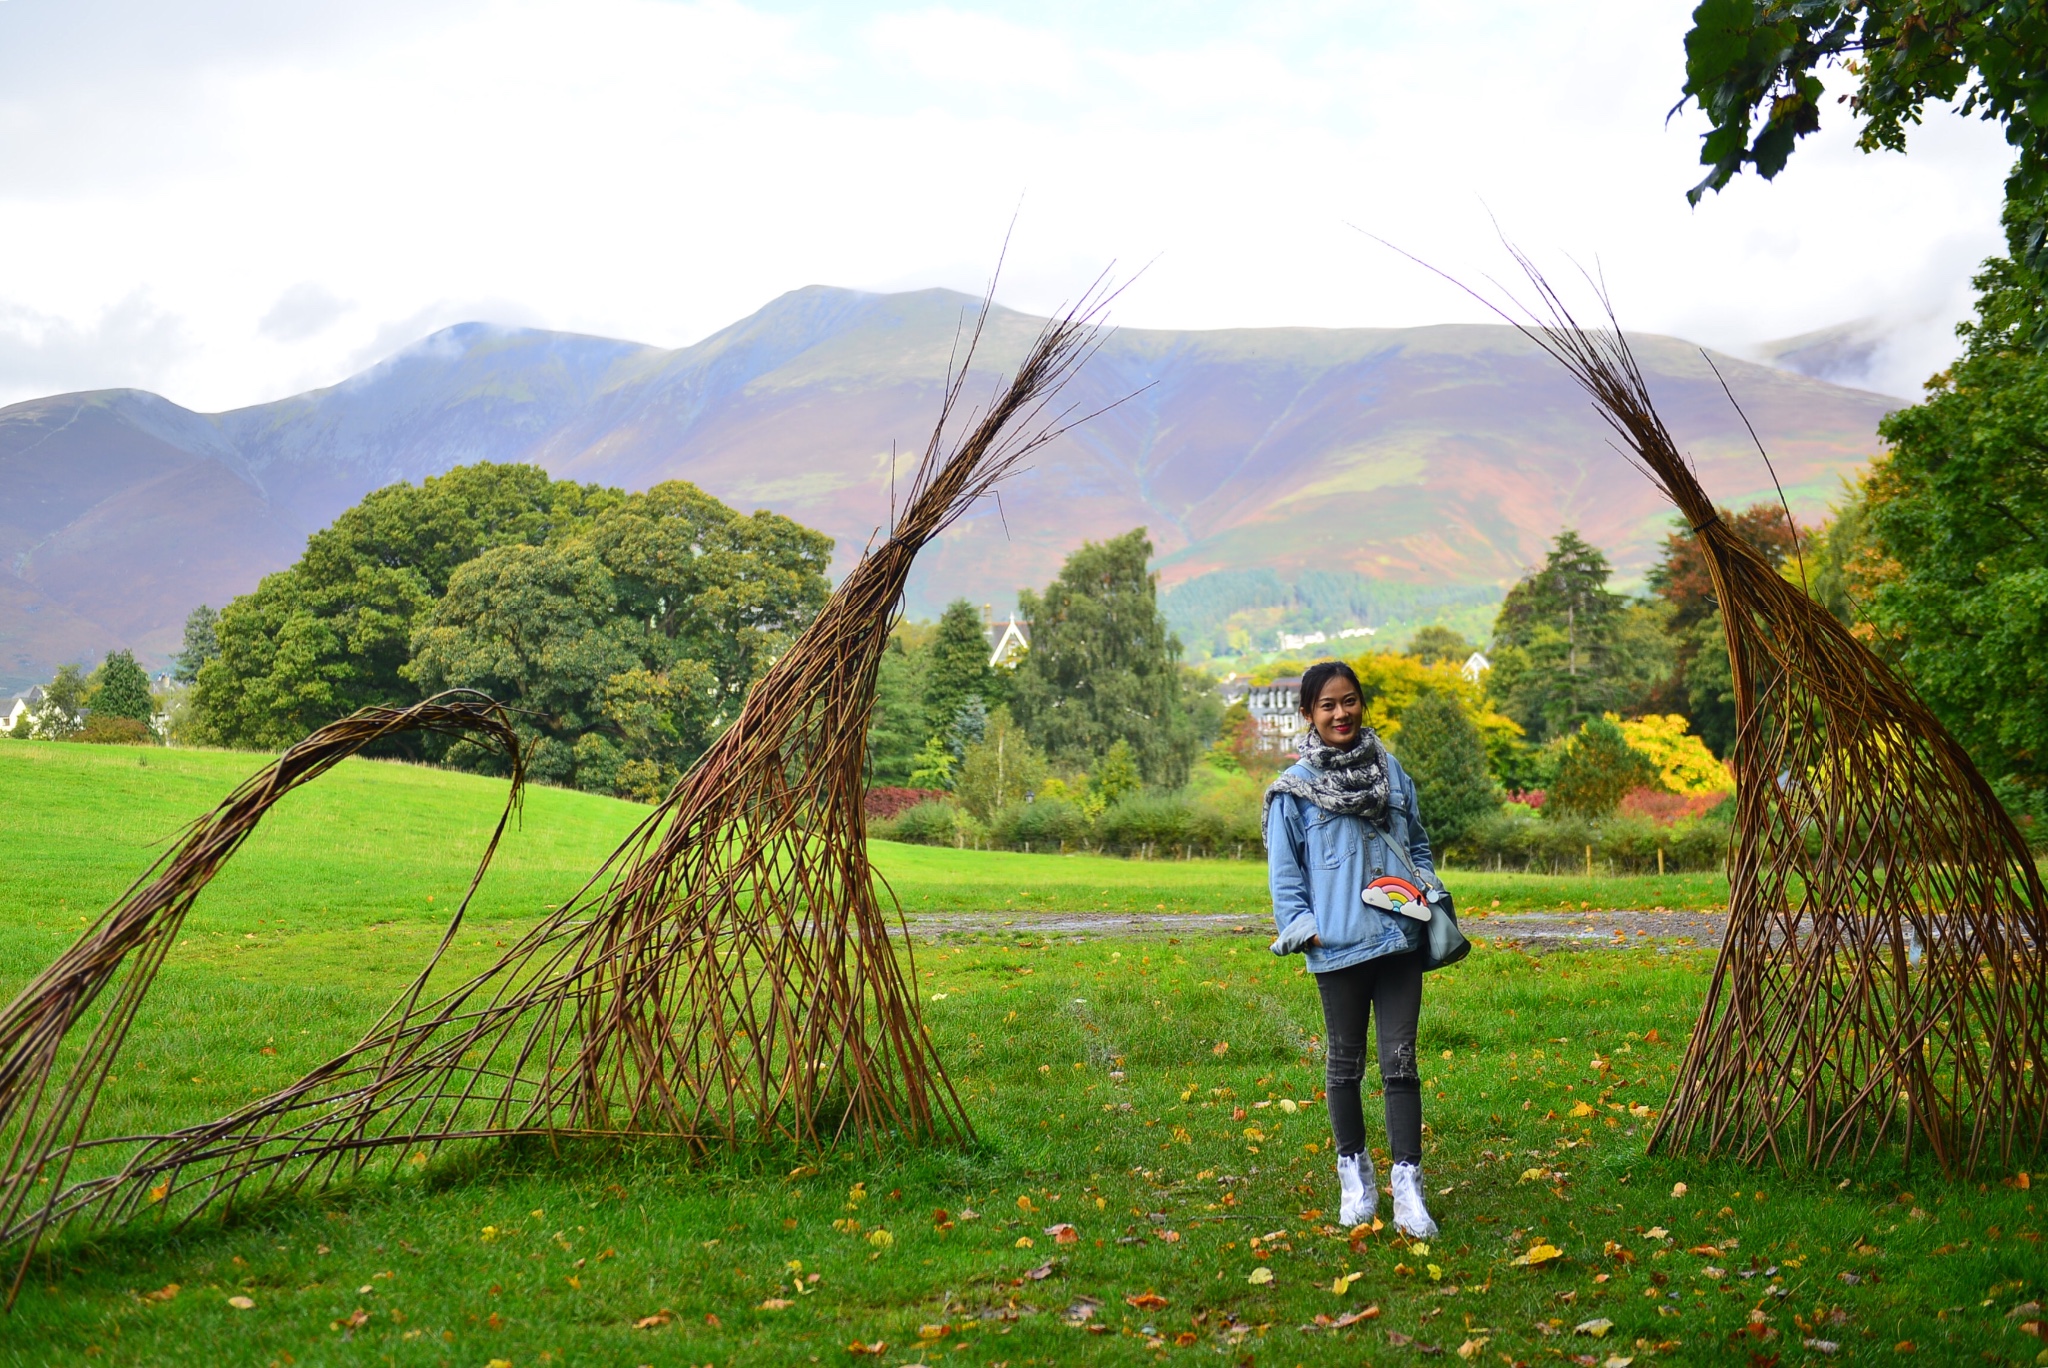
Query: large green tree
956	668
1566	647
333	633
1443	752
202	643
1102	667
1960	506
629	644
120	688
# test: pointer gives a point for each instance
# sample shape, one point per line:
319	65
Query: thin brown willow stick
726	976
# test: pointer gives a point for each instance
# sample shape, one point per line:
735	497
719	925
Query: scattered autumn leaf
1222	1048
1147	1301
932	1332
1260	1276
1025	1242
659	1318
1472	1348
1678	1189
162	1294
1063	1233
878	1348
1597	1328
777	1304
881	1239
246	1304
1581	1109
1344	1281
1538	1254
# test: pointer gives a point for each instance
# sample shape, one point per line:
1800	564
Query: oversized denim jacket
1319	862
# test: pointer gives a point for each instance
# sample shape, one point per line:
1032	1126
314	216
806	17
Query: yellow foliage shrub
1684	764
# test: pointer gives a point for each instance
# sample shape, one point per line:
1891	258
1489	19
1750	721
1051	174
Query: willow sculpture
1882	979
726	976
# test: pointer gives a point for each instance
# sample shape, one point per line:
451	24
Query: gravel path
1535	932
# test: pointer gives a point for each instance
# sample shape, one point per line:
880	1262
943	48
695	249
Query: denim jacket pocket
1331	836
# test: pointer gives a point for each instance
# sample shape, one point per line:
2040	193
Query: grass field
1156	1094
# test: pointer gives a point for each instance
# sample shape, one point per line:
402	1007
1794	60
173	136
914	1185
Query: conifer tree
1442	751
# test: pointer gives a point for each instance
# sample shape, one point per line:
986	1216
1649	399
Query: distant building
1008	642
15	716
1475	665
1275	710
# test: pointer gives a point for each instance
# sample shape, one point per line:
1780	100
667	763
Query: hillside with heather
1405	467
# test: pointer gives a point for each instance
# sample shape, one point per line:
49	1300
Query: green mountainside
1290	477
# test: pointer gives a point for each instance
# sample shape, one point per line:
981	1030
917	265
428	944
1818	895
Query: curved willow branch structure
1883	976
726	976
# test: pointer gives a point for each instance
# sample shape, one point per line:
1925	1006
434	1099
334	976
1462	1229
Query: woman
1345	851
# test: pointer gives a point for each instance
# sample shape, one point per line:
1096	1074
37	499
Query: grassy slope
1032	1030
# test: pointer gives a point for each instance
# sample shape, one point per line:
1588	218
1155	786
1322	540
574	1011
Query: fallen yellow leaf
777	1304
1540	1253
1581	1109
242	1303
1260	1276
1343	1283
1596	1328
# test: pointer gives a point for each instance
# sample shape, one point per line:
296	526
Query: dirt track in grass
1535	932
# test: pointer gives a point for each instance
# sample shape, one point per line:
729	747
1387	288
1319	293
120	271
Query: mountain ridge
1446	454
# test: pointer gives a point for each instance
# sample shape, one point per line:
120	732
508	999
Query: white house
1011	641
1475	665
1275	710
15	716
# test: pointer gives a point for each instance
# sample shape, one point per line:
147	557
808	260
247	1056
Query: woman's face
1336	712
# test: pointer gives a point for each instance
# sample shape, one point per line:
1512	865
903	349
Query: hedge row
1172	827
1157	826
1514	839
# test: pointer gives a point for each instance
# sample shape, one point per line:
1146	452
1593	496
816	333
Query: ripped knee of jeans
1344	1064
1400	1068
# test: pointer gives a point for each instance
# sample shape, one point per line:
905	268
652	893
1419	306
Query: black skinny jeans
1392	985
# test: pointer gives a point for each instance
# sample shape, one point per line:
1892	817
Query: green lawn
1105	1077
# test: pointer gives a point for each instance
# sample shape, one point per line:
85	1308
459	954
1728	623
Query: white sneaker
1360	1187
1411	1212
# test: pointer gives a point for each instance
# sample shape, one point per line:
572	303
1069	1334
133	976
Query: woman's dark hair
1317	675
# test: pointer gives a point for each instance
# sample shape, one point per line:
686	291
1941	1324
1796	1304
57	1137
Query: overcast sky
227	201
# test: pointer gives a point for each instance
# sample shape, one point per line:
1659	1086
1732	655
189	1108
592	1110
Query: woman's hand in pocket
1316	941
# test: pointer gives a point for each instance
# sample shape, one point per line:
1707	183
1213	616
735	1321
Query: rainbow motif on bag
1391	893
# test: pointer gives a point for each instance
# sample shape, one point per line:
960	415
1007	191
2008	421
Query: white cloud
305	310
656	170
132	343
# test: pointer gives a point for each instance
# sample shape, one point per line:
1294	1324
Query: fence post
1660	862
1589	862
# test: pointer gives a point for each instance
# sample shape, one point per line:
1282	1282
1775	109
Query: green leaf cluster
1753	67
1103	668
120	688
626	628
1567	648
1442	751
1595	770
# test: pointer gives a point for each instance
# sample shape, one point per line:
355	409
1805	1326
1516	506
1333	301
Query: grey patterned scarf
1352	781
